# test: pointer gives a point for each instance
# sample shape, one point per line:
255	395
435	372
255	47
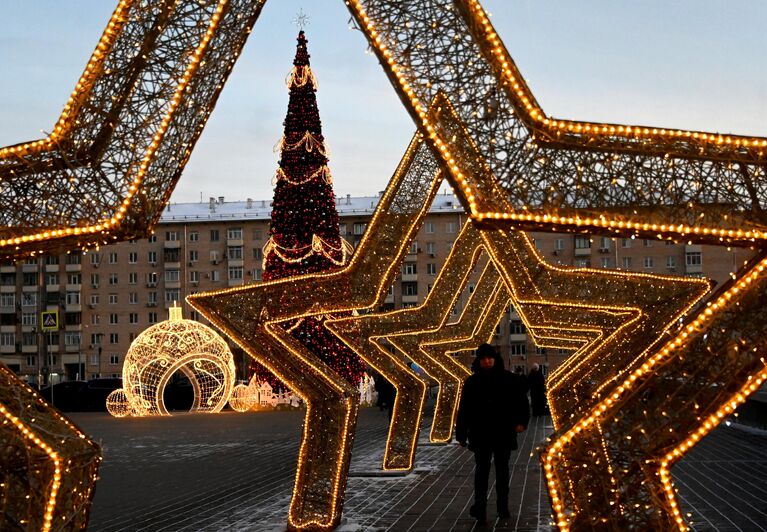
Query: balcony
582	252
53	288
29	349
409	277
235	262
518	337
28	268
235	242
8	269
236	282
172	244
172	284
74	267
51	267
9	289
410	299
7	349
175	265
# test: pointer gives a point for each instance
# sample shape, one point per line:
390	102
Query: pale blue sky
695	64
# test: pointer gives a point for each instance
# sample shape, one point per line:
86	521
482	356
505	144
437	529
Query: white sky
694	64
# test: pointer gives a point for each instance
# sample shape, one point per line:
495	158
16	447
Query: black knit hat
486	351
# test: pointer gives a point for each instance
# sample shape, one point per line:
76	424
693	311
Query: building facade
103	299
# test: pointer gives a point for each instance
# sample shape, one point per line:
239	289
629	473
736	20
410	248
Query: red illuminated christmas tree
304	233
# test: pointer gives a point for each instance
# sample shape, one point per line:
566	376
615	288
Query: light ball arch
177	345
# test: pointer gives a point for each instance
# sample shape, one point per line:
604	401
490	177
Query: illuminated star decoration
109	165
102	175
364	334
619	180
251	315
49	466
301	20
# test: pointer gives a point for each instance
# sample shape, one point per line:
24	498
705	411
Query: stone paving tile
233	472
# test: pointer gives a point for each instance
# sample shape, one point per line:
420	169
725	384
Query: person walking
492	411
537	390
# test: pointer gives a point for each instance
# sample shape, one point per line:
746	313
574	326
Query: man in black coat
537	390
493	409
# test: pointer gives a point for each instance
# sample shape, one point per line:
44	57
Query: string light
319	246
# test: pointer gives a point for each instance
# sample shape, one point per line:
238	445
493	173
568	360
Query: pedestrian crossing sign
50	320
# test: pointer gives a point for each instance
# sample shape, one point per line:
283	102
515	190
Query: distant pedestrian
537	390
493	409
386	394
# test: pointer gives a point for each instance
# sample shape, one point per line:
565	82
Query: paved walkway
235	472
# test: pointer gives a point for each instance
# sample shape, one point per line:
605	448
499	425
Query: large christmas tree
304	236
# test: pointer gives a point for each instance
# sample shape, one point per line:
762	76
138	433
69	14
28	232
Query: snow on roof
218	210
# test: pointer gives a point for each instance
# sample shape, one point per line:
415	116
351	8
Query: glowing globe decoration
117	403
244	396
175	345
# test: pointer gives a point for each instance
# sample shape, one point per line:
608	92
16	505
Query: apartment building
103	299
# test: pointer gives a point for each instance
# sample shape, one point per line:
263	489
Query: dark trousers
500	455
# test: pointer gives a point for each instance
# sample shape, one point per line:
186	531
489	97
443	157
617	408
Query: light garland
319	246
244	396
300	76
165	348
323	172
308	141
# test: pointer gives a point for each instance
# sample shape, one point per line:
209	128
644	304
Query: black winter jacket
493	403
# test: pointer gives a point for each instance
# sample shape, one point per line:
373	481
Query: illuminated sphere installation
177	345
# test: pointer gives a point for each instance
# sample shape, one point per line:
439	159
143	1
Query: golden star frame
587	177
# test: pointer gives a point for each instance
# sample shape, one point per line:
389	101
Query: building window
71	338
431	268
96	338
114	338
29	279
151	298
582	242
626	242
152	257
114	359
94	299
516	327
194	236
193	255
132	257
214	236
604	262
234	233
112	299
95	280
95	319
358	228
257	274
133	298
471	288
409	289
113	319
215	275
234	252
112	279
194	276
604	243
646	243
518	349
152	317
28	299
450	227
429	228
693	258
132	278
172	276
258	253
151	279
8	339
235	273
152	238
73	298
342	229
73	258
258	235
559	244
171	236
430	248
7	300
133	318
671	262
29	318
95	259
649	262
74	278
409	268
171	296
582	263
51	278
626	263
